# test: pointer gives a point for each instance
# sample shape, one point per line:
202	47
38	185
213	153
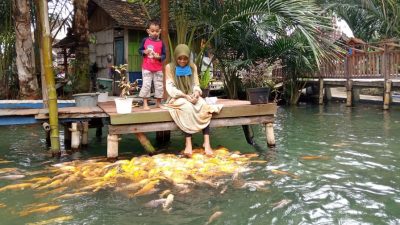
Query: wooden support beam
269	128
144	141
85	132
387	94
321	91
349	91
164	126
112	146
67	135
328	93
75	137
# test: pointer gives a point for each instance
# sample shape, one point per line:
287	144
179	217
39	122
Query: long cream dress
189	117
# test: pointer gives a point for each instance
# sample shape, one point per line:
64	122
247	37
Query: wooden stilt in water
145	142
85	132
328	93
112	146
163	137
349	90
99	132
321	91
75	136
387	94
269	129
249	135
67	135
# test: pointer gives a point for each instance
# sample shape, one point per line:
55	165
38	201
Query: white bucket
103	97
123	105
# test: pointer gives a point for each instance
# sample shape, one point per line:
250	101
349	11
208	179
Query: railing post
349	83
387	83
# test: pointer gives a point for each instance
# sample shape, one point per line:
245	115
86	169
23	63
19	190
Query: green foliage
205	79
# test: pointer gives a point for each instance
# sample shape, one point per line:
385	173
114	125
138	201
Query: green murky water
355	182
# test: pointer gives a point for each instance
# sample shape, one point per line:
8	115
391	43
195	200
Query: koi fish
313	157
214	216
21	186
258	161
12	177
164	193
168	202
149	188
8	170
155	203
280	172
53	221
2	161
282	203
44	209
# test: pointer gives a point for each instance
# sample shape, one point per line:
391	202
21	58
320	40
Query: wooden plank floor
231	109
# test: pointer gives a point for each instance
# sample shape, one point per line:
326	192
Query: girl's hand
191	99
196	94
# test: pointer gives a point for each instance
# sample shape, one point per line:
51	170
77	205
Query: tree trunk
81	32
25	60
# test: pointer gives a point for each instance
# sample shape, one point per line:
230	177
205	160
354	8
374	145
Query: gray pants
148	78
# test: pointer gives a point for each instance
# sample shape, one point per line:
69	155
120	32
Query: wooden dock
234	113
139	121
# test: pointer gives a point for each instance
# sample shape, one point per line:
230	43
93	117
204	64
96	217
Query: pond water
331	165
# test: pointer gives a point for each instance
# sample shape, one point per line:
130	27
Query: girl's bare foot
188	152
146	108
208	150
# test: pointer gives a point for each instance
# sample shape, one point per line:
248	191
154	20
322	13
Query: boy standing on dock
153	51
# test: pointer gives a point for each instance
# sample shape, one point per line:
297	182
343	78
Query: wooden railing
369	65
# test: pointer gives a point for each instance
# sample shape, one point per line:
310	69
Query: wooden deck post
75	136
387	85
349	91
85	131
328	93
145	142
269	128
67	135
387	94
321	91
112	146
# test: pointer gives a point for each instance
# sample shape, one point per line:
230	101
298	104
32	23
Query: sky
345	28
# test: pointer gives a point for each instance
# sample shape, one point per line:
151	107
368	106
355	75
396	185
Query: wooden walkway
234	113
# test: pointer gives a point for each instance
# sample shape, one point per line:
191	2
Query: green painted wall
134	59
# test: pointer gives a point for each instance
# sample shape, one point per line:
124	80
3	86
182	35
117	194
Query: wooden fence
383	64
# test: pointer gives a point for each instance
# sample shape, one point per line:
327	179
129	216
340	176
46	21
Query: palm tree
28	84
369	20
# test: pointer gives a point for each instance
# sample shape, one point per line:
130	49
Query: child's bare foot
146	108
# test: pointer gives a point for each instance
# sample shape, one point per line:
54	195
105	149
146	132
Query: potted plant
123	103
204	81
257	81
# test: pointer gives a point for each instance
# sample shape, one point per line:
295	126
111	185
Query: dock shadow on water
324	169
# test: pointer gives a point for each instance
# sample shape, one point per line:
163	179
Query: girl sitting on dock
189	111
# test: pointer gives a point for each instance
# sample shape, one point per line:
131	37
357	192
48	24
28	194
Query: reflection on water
332	165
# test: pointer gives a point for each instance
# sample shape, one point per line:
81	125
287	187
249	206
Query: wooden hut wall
99	51
100	20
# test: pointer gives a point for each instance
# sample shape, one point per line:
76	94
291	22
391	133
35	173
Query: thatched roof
125	14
